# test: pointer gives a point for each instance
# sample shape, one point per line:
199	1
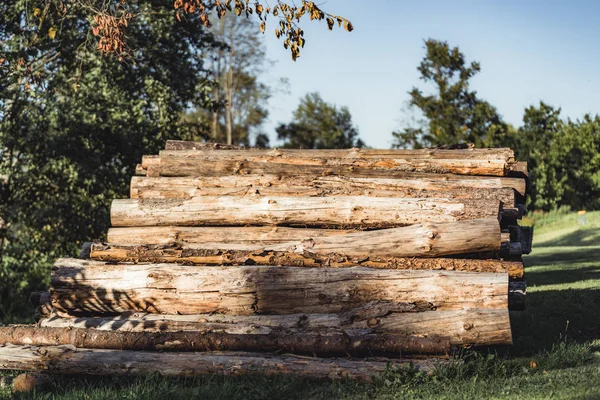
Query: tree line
75	121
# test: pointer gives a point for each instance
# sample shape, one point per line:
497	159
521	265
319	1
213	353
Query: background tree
319	125
240	98
74	122
541	126
453	113
567	170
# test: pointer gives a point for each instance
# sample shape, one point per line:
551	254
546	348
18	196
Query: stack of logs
319	263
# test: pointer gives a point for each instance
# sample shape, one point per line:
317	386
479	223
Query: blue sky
529	51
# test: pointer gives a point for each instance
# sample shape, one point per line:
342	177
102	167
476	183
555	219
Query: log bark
188	145
194	163
342	211
313	343
97	288
188	187
223	256
182	235
470	327
417	182
421	240
215	150
70	360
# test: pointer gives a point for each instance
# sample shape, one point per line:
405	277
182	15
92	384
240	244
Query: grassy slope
556	352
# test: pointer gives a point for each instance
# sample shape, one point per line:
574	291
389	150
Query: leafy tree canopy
73	124
319	125
453	113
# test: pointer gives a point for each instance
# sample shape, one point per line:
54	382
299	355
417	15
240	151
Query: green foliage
72	131
454	113
319	125
563	157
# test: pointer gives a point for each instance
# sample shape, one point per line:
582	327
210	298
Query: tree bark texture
70	360
339	211
188	187
216	162
83	287
469	327
192	256
421	240
407	183
207	149
330	343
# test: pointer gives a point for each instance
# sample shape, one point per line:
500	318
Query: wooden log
313	343
188	145
96	288
191	256
202	148
194	163
188	187
420	240
409	184
339	211
72	361
470	327
255	235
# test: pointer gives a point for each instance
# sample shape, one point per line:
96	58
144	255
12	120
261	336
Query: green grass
556	351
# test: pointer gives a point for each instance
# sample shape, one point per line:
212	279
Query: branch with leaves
110	27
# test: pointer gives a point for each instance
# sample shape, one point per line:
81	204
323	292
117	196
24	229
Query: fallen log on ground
342	211
190	256
70	360
83	287
462	327
313	343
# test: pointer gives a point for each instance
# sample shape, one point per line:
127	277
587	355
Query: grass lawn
556	351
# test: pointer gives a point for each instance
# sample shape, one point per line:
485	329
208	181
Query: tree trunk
470	327
82	287
190	163
313	343
413	185
339	211
70	360
192	256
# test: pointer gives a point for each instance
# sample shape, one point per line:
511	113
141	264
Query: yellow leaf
262	27
330	23
348	25
52	33
36	12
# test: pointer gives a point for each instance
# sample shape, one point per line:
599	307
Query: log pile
322	263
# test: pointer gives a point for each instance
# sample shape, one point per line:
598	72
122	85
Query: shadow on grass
589	236
559	315
553	316
573	255
563	276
